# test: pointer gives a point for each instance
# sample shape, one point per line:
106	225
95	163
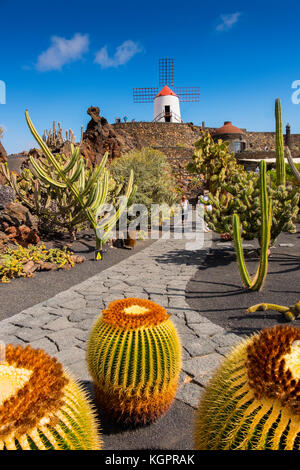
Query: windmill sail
166	98
144	95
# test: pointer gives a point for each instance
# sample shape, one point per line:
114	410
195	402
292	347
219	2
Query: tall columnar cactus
89	188
280	163
253	400
41	406
239	193
256	283
134	357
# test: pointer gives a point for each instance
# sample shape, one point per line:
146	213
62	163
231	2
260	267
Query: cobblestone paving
160	273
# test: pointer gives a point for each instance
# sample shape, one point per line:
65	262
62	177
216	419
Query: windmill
166	101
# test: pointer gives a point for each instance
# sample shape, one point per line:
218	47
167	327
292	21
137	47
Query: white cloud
123	54
62	51
226	22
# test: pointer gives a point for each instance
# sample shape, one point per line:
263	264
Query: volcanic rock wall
175	140
163	134
259	141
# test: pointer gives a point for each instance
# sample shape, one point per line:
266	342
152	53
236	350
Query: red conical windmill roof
166	91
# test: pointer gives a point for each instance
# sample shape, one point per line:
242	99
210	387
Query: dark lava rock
7	195
15	215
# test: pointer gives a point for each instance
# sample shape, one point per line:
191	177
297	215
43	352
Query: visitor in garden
206	208
184	208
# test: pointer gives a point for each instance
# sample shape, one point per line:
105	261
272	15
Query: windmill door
167	114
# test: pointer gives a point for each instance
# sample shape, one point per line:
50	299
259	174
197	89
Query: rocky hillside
163	134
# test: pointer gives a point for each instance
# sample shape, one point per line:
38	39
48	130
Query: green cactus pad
134	357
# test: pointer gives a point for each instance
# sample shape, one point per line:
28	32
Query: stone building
233	135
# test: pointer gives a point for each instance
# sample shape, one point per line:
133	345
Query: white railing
167	114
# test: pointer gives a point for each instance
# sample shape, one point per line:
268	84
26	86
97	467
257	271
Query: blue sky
59	58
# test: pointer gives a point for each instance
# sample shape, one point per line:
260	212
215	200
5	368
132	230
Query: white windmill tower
167	100
166	106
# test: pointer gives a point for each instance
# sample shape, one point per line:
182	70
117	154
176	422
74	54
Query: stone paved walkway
160	273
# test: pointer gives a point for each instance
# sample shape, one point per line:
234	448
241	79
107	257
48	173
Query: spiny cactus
280	163
239	193
54	137
41	406
134	357
214	161
292	165
88	187
253	399
290	313
54	206
266	219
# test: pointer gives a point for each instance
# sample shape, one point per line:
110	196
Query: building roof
228	128
166	91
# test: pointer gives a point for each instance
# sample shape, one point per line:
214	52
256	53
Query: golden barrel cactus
134	357
41	406
253	400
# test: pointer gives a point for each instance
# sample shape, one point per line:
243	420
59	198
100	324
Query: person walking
184	208
205	208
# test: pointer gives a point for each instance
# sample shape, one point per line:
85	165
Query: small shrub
152	175
13	261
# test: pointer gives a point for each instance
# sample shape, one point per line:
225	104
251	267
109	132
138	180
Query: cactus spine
41	406
134	358
252	402
266	219
280	164
88	193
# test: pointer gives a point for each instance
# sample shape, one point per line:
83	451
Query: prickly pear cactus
134	357
41	406
214	161
238	193
253	400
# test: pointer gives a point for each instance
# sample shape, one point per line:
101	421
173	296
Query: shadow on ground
166	433
216	290
23	293
183	257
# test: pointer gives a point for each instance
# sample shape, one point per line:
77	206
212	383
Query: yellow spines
253	400
134	358
41	405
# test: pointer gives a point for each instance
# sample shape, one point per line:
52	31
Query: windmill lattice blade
144	95
188	94
166	72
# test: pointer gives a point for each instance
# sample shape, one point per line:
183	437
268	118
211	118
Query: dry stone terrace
160	273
